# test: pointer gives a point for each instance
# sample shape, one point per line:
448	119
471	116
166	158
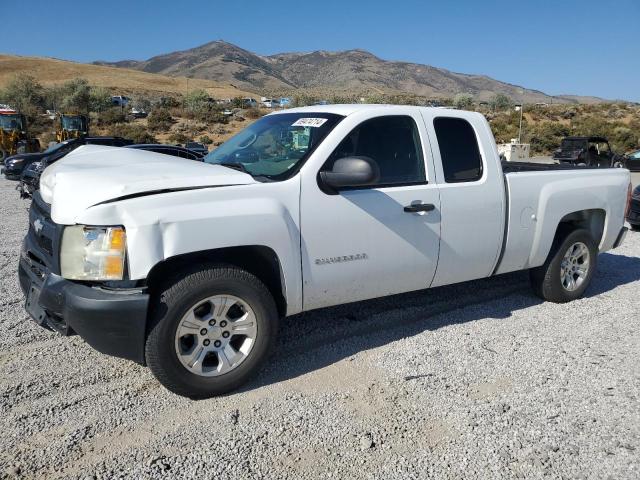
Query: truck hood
94	174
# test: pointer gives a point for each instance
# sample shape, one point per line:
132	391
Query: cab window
393	143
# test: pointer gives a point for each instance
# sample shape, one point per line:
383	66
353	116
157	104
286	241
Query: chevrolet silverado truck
187	267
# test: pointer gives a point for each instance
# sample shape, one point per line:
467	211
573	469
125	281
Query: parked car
197	147
270	103
249	102
29	179
633	215
188	266
587	151
173	150
138	113
16	164
120	100
632	161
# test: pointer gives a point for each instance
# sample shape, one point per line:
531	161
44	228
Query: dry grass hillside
50	71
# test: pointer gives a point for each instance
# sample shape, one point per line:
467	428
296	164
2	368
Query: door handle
419	207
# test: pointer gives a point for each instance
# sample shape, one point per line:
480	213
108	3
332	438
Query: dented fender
164	225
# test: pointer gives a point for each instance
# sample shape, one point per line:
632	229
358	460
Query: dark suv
587	151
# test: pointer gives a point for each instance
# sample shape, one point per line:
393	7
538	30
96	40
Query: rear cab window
459	150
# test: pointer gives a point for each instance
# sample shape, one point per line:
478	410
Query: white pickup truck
187	266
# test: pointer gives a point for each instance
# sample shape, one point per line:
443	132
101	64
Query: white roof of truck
348	109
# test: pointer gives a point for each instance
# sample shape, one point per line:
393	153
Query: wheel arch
592	220
259	260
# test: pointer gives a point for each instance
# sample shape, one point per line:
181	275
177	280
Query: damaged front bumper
111	321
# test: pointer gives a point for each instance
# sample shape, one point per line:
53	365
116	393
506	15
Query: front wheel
211	330
569	268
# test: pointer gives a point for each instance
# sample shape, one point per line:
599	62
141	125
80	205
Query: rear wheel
568	270
211	330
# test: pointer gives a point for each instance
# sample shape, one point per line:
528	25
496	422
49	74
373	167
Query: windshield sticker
309	122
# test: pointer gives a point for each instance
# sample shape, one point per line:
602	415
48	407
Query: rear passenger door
360	243
472	195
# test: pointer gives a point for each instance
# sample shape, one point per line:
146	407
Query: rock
366	442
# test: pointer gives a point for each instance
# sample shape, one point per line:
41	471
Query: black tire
175	298
546	281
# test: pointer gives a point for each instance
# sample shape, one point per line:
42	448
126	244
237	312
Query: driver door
360	243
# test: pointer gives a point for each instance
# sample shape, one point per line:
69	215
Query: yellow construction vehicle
71	125
14	137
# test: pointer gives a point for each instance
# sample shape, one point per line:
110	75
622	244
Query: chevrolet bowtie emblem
37	225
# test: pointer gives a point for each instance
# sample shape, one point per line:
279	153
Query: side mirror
351	172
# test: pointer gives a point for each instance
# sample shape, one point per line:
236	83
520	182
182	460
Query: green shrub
463	101
501	102
206	140
135	132
177	137
99	99
196	101
111	116
168	102
159	120
253	113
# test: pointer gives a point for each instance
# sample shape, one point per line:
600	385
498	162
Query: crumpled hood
93	174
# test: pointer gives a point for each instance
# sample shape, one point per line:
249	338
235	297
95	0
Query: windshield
573	144
11	122
57	146
276	145
73	123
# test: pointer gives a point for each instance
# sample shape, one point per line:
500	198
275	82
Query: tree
76	96
24	93
463	101
501	102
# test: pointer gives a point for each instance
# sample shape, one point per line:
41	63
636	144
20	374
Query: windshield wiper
240	167
236	166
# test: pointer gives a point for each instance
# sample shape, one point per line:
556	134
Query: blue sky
584	47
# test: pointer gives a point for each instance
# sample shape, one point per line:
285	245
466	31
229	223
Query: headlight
93	253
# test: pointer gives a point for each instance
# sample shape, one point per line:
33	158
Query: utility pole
520	128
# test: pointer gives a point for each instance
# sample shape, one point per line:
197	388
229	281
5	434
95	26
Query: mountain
219	61
49	71
350	71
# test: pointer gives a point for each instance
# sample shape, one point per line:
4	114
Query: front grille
43	238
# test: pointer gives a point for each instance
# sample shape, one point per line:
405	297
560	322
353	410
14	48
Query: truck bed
515	167
539	196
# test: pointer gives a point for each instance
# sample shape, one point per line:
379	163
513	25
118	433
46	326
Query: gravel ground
478	380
